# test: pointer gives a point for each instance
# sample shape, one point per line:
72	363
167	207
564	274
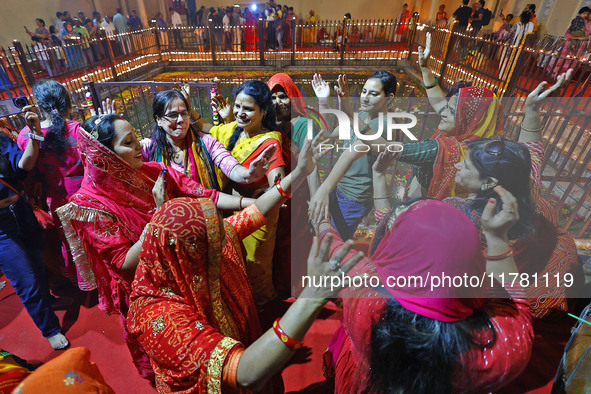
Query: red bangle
286	339
501	256
281	191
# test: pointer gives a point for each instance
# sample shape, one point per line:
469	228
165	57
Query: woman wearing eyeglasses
541	248
184	144
402	335
546	254
105	220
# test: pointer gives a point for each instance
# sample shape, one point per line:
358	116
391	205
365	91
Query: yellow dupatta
245	146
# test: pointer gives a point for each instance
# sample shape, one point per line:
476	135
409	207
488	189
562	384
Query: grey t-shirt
357	184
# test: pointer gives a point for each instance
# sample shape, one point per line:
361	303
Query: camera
13	106
20	102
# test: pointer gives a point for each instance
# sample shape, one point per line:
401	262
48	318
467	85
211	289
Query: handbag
44	218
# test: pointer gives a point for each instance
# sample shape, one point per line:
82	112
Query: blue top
134	23
10	173
120	23
161	24
191	5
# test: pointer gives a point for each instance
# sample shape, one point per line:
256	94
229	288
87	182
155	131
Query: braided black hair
55	101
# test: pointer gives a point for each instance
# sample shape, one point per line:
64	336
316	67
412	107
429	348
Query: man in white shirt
60	24
42	55
227	29
176	22
110	31
108	26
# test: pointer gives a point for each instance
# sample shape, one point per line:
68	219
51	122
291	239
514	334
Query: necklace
178	156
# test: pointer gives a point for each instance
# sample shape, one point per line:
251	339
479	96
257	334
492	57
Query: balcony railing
511	68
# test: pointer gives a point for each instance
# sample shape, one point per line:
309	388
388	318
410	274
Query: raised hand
426	52
321	265
342	86
320	86
223	106
537	96
108	107
185	90
259	166
384	160
311	153
159	189
32	119
498	223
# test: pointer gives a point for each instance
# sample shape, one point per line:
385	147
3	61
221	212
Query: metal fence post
261	42
446	52
515	67
344	43
412	34
292	27
157	38
26	68
212	44
111	57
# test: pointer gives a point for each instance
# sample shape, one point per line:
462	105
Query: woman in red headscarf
192	306
411	331
292	119
470	113
104	220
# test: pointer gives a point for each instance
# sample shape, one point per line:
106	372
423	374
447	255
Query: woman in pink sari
58	170
105	218
412	338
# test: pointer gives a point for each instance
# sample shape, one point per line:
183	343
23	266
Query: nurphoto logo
394	121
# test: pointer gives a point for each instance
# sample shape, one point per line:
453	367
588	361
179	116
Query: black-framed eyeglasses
173	116
495	147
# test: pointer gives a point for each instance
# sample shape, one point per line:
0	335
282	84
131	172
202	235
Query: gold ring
509	210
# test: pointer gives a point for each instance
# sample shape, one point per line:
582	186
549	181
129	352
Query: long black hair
261	94
512	169
411	353
55	101
105	129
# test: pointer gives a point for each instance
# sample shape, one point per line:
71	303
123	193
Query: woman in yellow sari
246	137
310	37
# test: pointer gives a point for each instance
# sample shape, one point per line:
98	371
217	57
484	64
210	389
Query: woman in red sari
413	338
249	30
192	306
104	220
402	23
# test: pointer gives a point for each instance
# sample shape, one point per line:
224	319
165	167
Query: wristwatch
36	137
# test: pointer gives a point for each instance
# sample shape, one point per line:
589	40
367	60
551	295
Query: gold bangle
381	198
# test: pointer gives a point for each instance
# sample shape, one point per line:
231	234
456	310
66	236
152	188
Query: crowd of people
74	42
179	232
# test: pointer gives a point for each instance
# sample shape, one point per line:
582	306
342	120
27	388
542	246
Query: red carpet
87	326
